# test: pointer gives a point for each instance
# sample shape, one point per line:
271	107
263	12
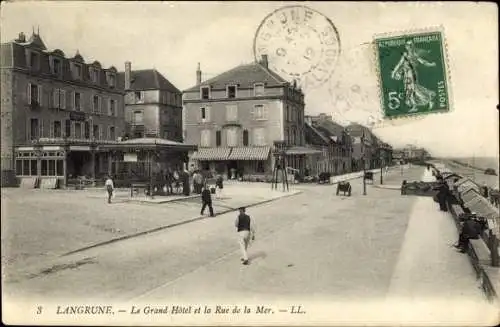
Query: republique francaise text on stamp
413	74
301	44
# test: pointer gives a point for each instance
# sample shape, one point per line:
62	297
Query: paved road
314	246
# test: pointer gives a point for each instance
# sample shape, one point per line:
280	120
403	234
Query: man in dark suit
206	199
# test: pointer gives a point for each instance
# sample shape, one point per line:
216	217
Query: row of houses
63	117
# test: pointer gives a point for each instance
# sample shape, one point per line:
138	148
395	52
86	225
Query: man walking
245	233
206	198
109	187
219	185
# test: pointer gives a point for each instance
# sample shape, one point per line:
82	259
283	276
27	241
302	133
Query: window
77	71
112	107
94	74
260	167
138	118
111	79
67	128
78	130
87	130
59	168
218	138
232	137
205	114
231	91
258	89
205	138
232	112
44	169
95	132
260	112
34	60
139	95
57	129
56	66
78	102
111	133
52	167
34	94
95	104
205	92
34	167
34	129
245	138
259	136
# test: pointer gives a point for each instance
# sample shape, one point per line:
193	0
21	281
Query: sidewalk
428	264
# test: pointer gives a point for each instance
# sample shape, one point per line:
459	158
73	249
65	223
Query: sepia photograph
250	163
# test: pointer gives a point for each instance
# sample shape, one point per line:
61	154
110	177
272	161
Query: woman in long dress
406	69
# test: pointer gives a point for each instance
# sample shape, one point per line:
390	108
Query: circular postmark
300	43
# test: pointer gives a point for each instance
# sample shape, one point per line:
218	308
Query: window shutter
73	130
29	93
51	63
264	112
99	104
40	95
100	132
208	109
252	113
40	132
28	129
51	129
55	99
62	99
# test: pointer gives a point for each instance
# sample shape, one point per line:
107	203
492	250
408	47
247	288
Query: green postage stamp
413	73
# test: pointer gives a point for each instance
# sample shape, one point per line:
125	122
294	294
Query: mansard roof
245	76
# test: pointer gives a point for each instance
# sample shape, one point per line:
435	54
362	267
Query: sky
174	36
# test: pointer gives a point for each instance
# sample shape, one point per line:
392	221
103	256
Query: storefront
63	162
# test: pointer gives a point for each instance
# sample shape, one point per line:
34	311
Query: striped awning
302	150
211	154
250	153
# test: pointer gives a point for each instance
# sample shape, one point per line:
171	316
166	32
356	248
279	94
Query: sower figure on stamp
206	198
246	232
109	187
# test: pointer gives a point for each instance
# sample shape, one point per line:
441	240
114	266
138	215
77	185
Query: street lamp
381	172
364	162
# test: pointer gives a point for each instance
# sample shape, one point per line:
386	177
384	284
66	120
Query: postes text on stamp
413	74
301	44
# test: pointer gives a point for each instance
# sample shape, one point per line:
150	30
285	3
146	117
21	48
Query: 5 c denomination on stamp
413	74
301	44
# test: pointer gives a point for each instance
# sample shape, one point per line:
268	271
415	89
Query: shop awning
211	154
250	153
301	150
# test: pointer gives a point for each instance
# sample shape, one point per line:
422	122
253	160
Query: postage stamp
301	44
413	74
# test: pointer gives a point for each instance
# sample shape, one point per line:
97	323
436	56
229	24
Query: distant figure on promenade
386	170
246	232
219	185
109	187
471	229
443	194
206	199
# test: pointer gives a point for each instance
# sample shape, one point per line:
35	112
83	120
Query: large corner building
235	117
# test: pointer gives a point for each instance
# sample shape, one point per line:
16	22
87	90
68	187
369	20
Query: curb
189	197
171	225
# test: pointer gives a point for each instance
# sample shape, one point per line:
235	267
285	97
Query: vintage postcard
250	163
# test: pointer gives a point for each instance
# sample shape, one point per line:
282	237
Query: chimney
128	74
21	38
264	61
198	75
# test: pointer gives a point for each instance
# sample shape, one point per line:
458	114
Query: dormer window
77	71
205	92
111	78
56	66
231	91
34	60
258	89
94	74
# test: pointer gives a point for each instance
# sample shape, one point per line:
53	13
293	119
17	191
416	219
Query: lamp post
364	162
381	161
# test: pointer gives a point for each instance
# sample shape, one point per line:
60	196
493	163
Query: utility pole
381	172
